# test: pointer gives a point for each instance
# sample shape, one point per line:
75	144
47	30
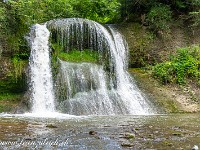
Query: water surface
176	131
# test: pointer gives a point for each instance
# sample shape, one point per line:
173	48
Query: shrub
184	64
164	72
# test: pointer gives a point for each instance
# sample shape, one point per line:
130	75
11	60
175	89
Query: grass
79	56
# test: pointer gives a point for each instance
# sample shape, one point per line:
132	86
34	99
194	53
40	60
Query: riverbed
159	132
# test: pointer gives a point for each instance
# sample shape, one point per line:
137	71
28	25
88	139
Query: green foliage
136	10
102	11
2	15
130	8
164	72
74	55
139	54
180	3
195	13
3	28
10	94
37	11
9	89
3	18
79	56
159	17
140	42
16	17
195	17
19	66
184	64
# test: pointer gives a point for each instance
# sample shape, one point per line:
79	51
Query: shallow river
160	132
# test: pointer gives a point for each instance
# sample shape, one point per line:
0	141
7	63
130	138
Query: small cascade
83	89
126	87
41	86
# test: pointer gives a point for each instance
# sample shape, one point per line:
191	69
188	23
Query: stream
112	113
159	132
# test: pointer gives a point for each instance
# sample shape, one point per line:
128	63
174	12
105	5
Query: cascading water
41	86
104	88
85	84
86	88
128	91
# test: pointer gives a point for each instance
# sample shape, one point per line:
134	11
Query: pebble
195	147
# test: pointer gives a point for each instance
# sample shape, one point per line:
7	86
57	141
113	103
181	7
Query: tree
16	16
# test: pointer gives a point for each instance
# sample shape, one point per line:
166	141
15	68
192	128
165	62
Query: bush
184	64
164	72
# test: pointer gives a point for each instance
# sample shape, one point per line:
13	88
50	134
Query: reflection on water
178	131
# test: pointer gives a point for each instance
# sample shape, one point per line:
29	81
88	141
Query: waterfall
41	86
83	88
